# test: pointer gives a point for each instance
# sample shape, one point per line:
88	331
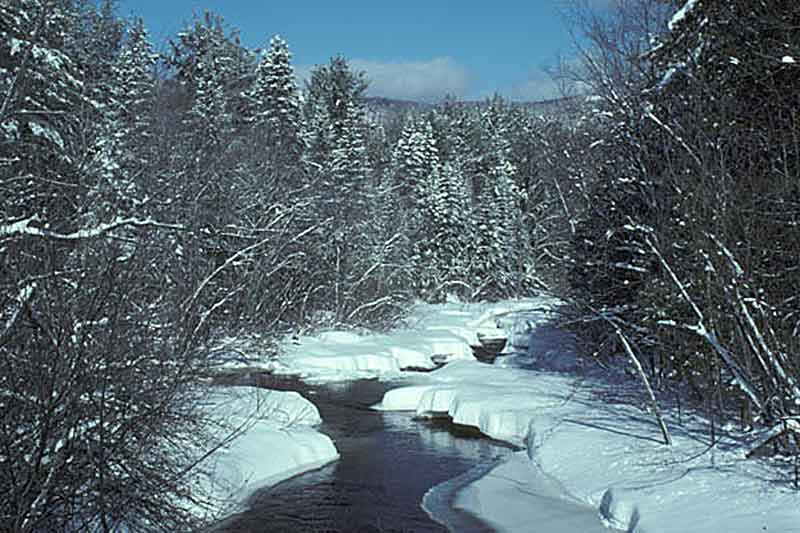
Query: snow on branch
384	300
628	266
681	14
740	375
233	258
613	322
24	228
643	376
772	357
783	428
24	296
648	111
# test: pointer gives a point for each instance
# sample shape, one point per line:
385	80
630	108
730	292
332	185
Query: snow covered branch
760	346
783	428
650	394
232	260
741	377
24	228
24	296
642	375
672	133
385	300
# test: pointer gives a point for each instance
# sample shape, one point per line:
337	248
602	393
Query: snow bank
514	496
501	402
431	335
277	441
586	454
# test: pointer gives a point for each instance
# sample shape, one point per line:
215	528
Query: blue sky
410	49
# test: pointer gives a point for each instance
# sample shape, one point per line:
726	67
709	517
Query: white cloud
303	74
415	80
539	86
409	80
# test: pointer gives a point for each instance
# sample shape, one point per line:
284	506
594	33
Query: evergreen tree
349	162
446	244
453	126
133	93
209	112
94	40
338	133
490	142
127	139
41	87
333	108
414	176
336	88
273	103
212	66
457	132
341	174
414	160
499	247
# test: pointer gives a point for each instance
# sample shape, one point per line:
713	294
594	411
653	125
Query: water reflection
440	435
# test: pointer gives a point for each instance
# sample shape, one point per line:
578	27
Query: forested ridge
152	203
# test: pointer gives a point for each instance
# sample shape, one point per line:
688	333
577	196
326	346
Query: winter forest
153	203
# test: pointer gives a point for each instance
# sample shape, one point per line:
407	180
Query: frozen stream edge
440	501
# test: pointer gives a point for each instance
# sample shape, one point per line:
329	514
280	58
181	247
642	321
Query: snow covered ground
589	449
276	441
432	334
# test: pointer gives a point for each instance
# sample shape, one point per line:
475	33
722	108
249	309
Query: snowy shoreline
606	456
587	455
276	441
594	449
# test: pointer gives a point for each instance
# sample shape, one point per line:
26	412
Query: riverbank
587	435
601	453
278	436
273	437
388	462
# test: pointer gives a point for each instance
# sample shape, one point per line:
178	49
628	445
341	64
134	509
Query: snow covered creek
345	439
382	481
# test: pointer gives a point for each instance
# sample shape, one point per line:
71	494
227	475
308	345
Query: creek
390	463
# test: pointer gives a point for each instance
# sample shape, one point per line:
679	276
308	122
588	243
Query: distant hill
556	106
379	102
387	109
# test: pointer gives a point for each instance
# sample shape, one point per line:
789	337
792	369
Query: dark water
389	461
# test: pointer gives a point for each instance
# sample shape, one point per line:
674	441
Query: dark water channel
389	461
